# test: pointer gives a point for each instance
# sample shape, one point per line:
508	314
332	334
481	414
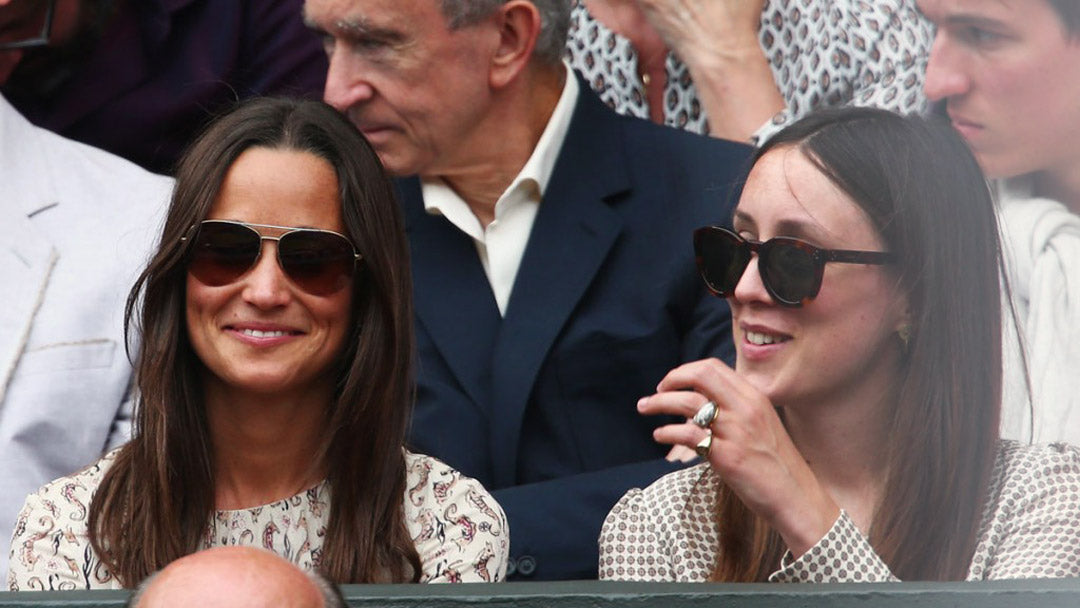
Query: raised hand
718	42
750	450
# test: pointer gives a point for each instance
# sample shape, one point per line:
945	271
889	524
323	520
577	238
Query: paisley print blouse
459	530
822	53
1030	528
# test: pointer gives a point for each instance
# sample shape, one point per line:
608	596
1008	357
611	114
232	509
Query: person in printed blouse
743	69
275	381
856	439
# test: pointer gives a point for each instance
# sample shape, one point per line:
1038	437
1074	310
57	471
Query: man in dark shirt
140	78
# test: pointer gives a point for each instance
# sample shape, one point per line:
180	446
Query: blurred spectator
235	577
76	226
742	69
141	78
1007	73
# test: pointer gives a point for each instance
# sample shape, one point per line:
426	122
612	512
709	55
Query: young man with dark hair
1007	74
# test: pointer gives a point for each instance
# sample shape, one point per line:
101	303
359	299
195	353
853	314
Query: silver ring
705	416
703	447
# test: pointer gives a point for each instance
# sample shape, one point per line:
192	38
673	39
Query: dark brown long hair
154	504
929	201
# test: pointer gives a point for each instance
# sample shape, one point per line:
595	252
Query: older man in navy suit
552	261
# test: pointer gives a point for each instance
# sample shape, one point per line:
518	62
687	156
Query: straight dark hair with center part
155	504
926	196
1069	12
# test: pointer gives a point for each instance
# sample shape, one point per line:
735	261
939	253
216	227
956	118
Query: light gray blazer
76	227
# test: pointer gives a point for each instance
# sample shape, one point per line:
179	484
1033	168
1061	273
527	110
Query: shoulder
84	164
459	530
50	548
431	482
683	146
1032	518
686	490
665	532
102	184
80	484
593	116
1022	465
1035	481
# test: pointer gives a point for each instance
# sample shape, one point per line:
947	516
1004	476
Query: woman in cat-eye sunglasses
856	439
275	382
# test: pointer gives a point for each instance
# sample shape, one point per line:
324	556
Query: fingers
680	435
680	453
711	378
674	403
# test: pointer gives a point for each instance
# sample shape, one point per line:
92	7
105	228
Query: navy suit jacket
540	406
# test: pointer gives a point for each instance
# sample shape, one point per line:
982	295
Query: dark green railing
997	594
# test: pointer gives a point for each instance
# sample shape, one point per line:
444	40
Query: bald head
240	577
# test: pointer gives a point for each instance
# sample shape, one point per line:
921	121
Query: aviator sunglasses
320	262
790	269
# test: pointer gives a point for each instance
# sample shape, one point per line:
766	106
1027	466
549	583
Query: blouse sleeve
459	530
875	55
49	548
843	555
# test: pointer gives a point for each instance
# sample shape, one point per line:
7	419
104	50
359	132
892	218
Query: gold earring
904	331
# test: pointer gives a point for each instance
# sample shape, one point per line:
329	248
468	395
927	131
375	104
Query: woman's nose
750	287
266	285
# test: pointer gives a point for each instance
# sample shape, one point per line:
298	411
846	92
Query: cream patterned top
822	53
459	530
1030	528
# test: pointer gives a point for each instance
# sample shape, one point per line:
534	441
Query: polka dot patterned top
822	53
1030	528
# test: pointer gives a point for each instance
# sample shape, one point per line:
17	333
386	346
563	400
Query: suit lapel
453	299
26	262
574	231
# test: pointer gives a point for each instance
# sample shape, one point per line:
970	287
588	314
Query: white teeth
759	339
255	333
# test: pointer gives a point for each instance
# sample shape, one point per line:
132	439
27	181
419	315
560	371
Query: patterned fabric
1030	528
822	53
459	530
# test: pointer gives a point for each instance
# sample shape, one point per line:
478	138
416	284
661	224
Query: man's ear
519	26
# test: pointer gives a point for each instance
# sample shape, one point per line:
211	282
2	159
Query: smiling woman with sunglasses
275	383
857	437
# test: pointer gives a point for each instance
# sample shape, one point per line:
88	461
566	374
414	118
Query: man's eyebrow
363	29
358	28
969	19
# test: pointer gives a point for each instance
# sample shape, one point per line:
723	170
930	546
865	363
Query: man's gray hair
554	22
330	592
